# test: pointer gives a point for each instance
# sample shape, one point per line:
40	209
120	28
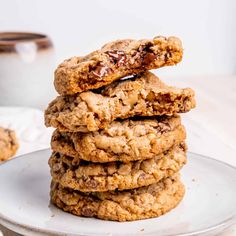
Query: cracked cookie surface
116	60
8	144
141	203
95	177
124	141
143	95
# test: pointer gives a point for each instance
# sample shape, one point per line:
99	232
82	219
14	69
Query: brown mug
26	69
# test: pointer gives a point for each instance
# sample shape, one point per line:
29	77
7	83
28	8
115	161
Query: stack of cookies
119	142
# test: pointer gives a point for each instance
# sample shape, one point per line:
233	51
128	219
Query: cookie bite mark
114	61
141	95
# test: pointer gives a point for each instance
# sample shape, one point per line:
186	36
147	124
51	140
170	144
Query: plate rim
6	221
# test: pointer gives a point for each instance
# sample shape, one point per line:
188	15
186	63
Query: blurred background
206	27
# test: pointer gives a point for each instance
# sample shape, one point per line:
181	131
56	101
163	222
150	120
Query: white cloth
29	126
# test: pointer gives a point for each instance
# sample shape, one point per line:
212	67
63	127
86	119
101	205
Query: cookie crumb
8	144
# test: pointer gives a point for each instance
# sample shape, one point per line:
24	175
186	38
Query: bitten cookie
8	144
90	177
127	140
114	61
143	95
145	202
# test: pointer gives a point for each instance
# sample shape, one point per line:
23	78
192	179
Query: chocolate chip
183	146
166	98
148	58
117	57
9	134
101	70
151	96
167	56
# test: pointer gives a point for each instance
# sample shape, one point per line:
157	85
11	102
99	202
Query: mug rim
9	39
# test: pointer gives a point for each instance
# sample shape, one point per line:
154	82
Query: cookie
95	177
127	140
143	95
116	60
128	205
8	144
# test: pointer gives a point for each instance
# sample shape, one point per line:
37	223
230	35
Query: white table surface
211	126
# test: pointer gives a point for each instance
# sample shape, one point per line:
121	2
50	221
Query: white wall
207	28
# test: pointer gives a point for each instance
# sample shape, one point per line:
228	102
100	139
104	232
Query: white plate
209	205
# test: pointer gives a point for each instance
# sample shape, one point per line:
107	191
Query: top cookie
116	60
